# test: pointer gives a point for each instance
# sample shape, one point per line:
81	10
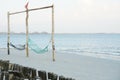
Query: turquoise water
108	44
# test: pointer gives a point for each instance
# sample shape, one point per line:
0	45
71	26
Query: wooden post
27	53
52	76
42	75
8	42
53	46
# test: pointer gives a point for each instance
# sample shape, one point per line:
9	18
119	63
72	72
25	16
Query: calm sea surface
106	44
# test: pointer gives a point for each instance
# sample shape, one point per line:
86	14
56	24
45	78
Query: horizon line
62	33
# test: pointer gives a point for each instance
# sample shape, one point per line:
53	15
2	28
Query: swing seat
18	47
33	46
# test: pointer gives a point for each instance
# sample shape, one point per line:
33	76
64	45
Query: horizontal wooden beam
31	10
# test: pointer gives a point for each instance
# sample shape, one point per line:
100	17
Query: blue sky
71	16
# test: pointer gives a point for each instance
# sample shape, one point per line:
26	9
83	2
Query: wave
100	54
109	52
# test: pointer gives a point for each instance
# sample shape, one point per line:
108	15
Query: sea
102	45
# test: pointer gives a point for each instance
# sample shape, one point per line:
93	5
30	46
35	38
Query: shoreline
101	56
69	65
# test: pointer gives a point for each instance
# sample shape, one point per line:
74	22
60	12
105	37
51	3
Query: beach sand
74	66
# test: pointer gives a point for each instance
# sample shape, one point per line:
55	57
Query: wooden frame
27	32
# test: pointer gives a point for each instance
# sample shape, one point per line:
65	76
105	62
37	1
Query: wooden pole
30	10
27	52
53	46
8	42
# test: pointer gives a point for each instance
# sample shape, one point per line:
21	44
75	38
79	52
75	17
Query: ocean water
83	44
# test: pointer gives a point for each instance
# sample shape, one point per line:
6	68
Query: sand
79	67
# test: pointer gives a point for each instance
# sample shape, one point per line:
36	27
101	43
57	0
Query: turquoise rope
33	46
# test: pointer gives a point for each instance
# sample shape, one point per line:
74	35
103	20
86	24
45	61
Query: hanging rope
18	47
33	46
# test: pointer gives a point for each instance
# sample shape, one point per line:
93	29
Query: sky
71	16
